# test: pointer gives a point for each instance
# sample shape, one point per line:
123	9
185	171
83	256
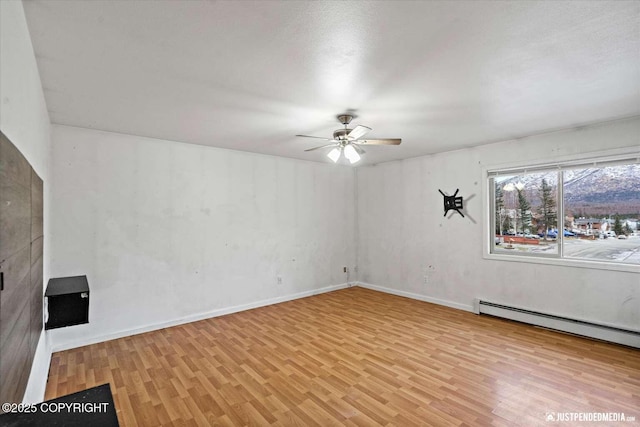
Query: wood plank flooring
354	357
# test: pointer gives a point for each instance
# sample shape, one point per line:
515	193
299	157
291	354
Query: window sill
566	262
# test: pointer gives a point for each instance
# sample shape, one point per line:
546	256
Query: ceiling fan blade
322	146
316	137
358	132
359	149
390	141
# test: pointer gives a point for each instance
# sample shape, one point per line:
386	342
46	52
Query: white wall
168	232
25	121
403	236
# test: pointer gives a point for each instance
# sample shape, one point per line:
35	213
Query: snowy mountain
594	191
603	191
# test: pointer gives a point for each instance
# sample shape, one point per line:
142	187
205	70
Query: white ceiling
250	75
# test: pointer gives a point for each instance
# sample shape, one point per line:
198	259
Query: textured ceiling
250	75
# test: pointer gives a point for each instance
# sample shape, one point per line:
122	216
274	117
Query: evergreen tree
499	207
548	208
617	225
524	209
506	223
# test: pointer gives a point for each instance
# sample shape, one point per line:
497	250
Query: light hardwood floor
353	357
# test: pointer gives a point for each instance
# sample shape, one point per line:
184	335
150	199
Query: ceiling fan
348	141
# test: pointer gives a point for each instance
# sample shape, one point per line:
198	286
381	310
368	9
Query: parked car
551	234
622	236
531	236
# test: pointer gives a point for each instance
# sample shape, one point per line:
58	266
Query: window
583	211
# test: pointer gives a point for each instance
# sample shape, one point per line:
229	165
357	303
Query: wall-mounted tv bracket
452	202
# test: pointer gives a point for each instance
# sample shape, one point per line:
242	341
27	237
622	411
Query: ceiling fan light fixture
334	155
351	154
349	141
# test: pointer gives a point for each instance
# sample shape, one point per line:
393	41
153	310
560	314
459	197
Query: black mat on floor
92	407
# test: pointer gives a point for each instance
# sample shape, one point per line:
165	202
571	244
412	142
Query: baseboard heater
578	327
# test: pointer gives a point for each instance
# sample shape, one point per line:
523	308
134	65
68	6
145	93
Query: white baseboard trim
37	383
67	345
607	332
418	297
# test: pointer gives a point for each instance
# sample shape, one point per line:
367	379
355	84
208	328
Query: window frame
593	159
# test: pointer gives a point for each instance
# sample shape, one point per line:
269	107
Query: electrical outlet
426	279
279	279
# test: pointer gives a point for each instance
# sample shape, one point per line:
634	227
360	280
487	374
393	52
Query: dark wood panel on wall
21	266
16	293
15	358
37	244
36	293
36	206
15	218
13	166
